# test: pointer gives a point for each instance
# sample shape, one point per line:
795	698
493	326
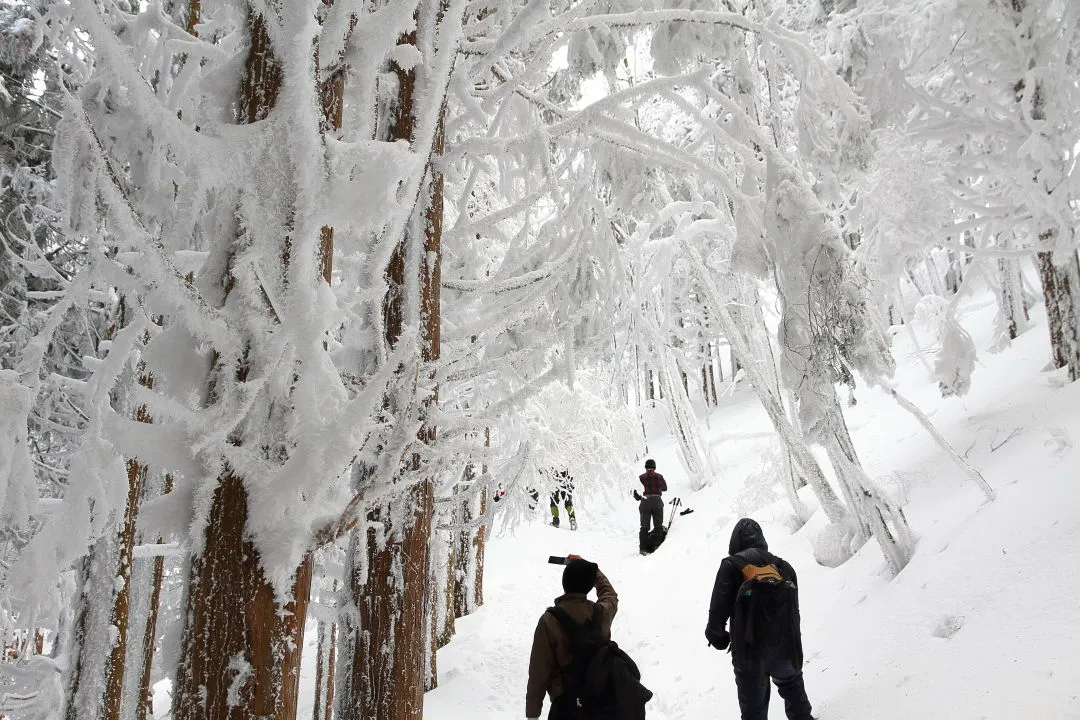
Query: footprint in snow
948	626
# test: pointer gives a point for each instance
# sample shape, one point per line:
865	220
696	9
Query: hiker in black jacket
748	555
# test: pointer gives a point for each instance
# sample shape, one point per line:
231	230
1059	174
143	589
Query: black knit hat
579	576
650	464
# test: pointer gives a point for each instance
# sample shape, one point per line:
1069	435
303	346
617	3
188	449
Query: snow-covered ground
983	623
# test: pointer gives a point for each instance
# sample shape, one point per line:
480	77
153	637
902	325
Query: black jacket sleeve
725	590
788	573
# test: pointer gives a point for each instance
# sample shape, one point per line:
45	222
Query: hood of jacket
746	534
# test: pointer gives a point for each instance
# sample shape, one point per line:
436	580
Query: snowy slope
981	624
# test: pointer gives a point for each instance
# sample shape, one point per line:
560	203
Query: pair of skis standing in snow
588	677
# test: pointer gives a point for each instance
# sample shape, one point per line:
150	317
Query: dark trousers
566	498
753	685
651	510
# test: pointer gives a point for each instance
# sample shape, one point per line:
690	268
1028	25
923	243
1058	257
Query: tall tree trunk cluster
1057	262
241	641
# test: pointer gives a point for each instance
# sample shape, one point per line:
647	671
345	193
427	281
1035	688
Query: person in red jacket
651	503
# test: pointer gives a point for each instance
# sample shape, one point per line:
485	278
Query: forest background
288	288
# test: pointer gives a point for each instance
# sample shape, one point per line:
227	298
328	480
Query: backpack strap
571	628
740	561
566	622
571	674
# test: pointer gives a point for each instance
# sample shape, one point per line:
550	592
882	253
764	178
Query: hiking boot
554	522
573	523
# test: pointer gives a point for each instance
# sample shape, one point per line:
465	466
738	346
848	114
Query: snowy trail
483	669
981	625
662	606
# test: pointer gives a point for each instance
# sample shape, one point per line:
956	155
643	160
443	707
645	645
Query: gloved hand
718	639
637	495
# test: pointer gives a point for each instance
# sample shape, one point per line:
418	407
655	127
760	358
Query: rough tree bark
326	657
479	544
1013	315
85	677
240	655
1061	290
240	652
322	643
481	532
96	684
388	666
390	581
145	707
705	385
462	576
445	562
139	691
114	666
1058	265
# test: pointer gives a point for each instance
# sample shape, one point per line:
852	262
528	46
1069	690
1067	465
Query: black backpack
765	624
655	538
602	680
658	535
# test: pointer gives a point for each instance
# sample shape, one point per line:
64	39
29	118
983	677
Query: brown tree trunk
331	670
481	533
80	624
240	657
1013	300
145	707
325	666
388	663
479	543
431	678
114	666
1061	288
144	703
96	684
461	578
712	380
1059	267
320	668
240	654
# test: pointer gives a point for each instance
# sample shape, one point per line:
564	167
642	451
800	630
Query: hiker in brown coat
551	656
